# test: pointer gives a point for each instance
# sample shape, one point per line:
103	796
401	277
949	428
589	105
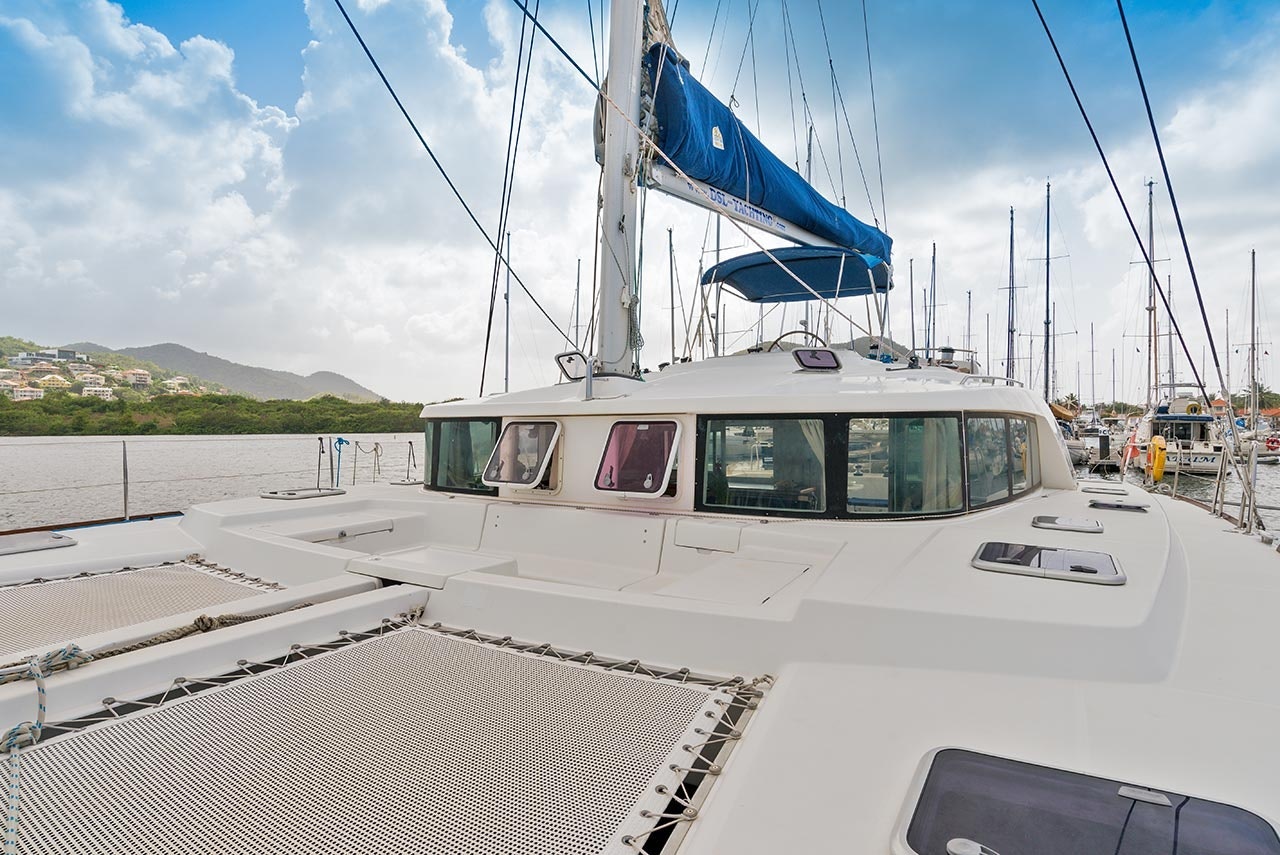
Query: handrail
990	380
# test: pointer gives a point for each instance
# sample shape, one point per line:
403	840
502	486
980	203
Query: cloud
158	202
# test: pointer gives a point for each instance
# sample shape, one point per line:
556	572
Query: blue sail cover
757	278
706	140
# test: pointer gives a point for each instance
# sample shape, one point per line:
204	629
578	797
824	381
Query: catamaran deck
883	641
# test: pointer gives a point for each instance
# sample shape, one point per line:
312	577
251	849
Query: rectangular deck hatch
1049	562
1015	808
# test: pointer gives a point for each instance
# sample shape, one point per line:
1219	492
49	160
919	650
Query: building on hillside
112	374
97	392
27	393
7	387
79	368
40	369
138	378
1220	407
54	381
53	354
9	374
173	384
90	379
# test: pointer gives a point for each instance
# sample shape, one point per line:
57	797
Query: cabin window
904	465
638	457
523	454
1022	445
428	454
1003	458
460	449
774	464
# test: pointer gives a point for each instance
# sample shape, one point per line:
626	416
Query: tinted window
776	464
1014	807
987	438
462	449
904	465
522	453
637	456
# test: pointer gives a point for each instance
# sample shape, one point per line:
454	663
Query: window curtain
943	490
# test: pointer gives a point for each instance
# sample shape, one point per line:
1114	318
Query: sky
231	175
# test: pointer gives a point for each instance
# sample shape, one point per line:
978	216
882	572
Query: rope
875	119
28	732
203	623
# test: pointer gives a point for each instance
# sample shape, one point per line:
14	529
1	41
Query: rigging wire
647	140
444	173
875	119
591	22
711	36
791	98
514	127
831	67
1173	200
1146	254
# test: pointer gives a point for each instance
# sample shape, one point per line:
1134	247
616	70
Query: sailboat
780	601
1177	434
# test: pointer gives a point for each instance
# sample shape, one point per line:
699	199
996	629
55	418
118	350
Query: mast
1173	379
911	300
1253	339
968	323
1230	408
1047	331
671	282
1093	375
577	306
933	296
1009	351
619	233
1153	329
506	369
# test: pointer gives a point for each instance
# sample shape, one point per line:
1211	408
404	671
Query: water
57	480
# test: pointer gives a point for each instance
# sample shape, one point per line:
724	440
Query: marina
839	590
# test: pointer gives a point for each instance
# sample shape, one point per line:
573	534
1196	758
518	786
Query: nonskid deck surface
406	739
40	612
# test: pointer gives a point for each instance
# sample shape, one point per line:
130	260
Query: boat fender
1273	443
1193	409
1156	458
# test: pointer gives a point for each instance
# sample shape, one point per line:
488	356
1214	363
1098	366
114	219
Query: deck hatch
1008	806
53	611
415	741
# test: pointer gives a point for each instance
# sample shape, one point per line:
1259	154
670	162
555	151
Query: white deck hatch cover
54	611
409	742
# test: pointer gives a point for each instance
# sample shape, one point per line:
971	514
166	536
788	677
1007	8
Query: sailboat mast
1228	363
619	232
1093	374
1009	351
506	369
1047	331
911	300
1153	329
1173	379
933	298
671	283
1253	340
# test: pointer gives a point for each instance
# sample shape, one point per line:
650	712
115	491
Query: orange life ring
1273	443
